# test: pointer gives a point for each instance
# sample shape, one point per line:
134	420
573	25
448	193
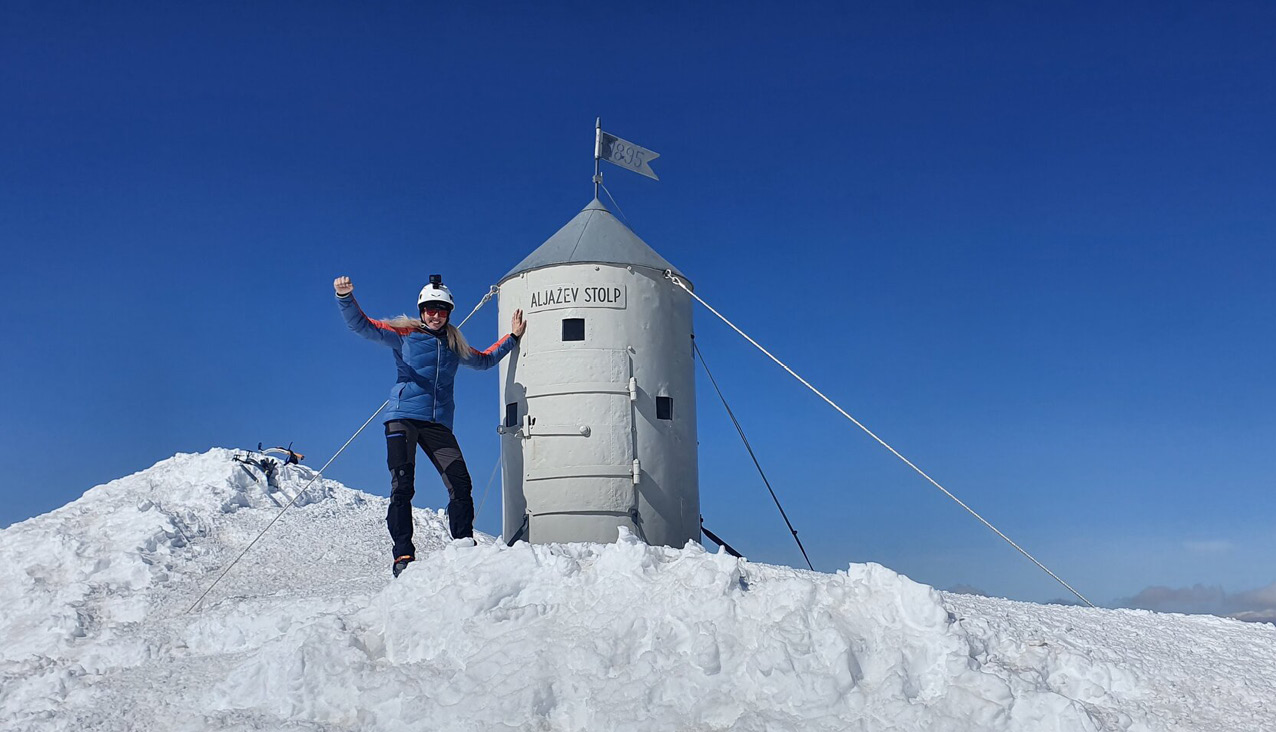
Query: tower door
578	447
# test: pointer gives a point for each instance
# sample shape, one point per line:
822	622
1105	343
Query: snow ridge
309	632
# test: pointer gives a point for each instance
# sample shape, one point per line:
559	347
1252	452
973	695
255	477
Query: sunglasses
434	311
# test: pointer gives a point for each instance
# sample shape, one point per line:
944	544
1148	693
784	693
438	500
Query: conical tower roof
593	236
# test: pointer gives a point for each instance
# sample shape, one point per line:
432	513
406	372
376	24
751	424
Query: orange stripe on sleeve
492	348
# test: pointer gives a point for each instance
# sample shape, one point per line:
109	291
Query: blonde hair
455	340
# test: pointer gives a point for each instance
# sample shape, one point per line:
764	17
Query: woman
427	352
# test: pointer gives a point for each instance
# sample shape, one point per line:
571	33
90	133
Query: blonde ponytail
456	341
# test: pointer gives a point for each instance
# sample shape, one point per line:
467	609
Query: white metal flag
625	154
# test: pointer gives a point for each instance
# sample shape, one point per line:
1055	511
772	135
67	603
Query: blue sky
1031	247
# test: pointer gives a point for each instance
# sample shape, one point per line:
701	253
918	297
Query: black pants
401	438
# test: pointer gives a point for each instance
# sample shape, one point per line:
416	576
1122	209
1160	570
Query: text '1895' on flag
626	154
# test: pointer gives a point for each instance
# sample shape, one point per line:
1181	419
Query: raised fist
343	286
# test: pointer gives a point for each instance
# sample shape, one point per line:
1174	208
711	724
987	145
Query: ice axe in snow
294	458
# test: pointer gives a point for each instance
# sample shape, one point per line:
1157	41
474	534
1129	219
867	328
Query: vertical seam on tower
580	236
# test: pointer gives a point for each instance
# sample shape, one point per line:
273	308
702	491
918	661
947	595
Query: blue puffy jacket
426	365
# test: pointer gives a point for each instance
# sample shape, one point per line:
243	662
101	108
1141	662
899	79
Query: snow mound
309	631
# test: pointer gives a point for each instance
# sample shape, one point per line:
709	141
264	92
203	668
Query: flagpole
598	153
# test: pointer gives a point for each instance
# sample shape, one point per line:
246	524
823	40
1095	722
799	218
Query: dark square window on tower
573	329
511	414
664	407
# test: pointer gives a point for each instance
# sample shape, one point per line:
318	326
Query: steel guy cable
678	281
749	447
300	493
491	291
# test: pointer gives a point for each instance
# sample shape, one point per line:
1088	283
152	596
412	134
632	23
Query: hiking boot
464	541
401	564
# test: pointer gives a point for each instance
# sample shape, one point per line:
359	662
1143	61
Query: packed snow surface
310	632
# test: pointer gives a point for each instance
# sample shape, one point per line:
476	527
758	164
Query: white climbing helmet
435	292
